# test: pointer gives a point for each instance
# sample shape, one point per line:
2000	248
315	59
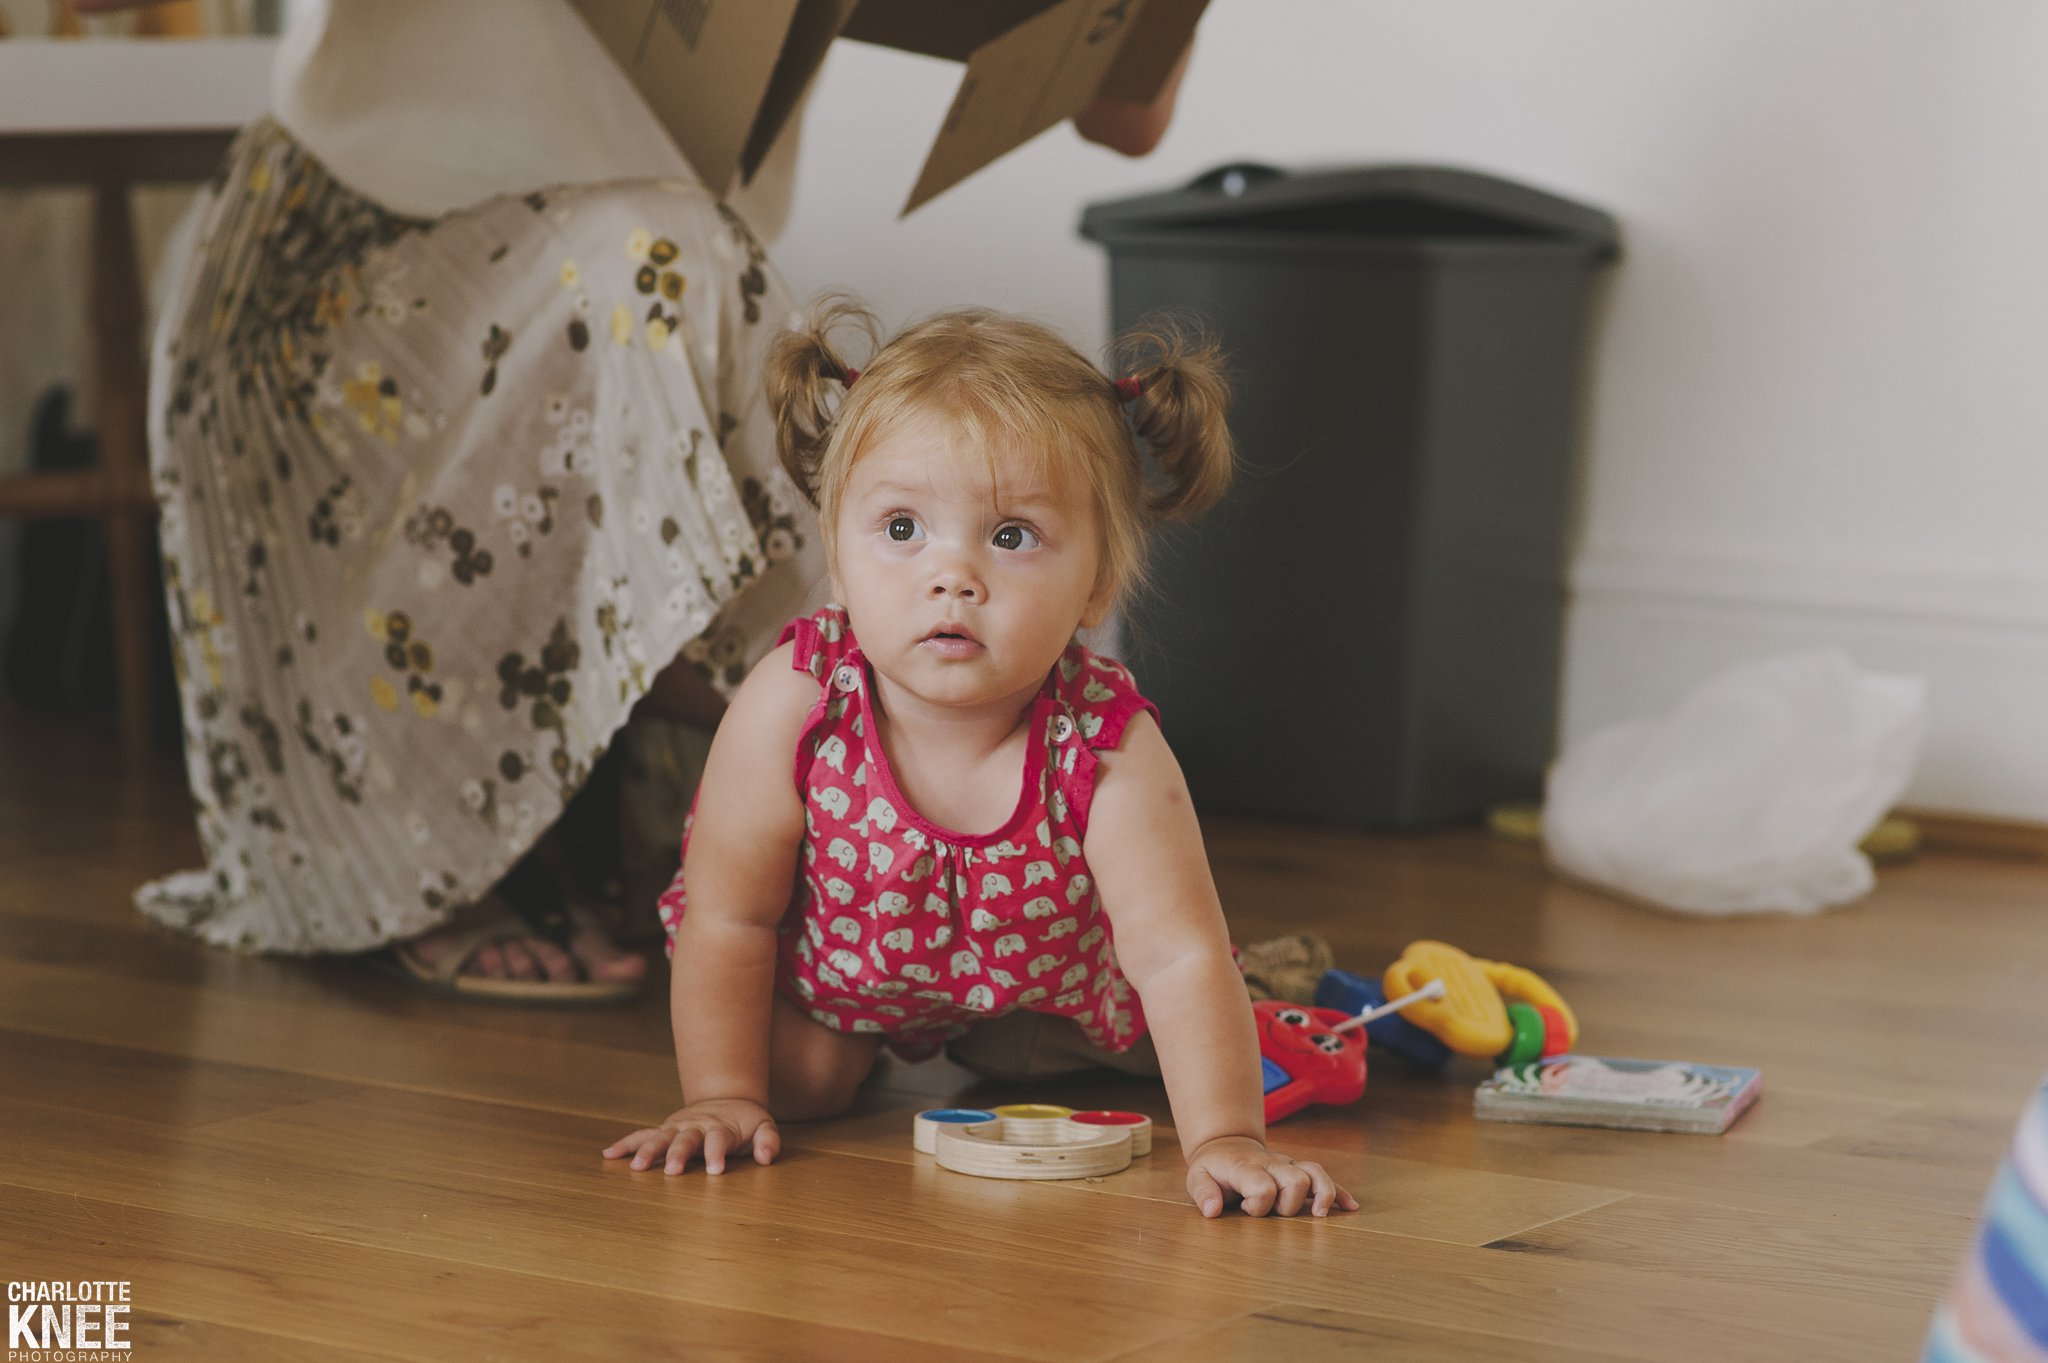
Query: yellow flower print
622	324
672	285
657	333
384	693
374	399
639	242
373	621
208	619
259	178
421	702
571	276
330	309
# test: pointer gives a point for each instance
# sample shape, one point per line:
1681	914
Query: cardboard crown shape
724	75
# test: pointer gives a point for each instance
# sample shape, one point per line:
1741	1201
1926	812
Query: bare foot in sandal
528	956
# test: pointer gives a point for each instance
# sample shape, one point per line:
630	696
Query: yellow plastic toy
1472	1016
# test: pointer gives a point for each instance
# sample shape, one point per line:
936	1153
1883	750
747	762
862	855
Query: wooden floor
304	1160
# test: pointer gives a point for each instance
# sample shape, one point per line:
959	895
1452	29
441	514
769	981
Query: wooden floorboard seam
1192	1335
472	1264
1520	1231
1510	1347
312	1162
325	1076
306	1340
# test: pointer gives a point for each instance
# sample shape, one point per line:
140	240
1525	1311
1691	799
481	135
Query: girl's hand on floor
715	1128
1263	1181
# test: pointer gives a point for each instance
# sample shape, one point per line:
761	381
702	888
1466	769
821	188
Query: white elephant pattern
938	969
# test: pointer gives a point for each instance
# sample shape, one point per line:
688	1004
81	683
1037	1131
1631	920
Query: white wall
1818	413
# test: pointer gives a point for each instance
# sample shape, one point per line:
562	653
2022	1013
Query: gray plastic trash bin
1367	630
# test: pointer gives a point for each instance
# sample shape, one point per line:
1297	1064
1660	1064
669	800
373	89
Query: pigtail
1179	414
807	379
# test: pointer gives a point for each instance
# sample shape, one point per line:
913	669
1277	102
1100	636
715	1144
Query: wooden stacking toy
1031	1140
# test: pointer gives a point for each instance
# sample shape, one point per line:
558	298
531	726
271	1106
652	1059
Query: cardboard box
724	75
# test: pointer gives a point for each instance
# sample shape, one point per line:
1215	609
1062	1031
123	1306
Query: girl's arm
741	870
1144	849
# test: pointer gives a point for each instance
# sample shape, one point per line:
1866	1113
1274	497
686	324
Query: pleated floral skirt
439	500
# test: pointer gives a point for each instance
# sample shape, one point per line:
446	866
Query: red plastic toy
1305	1060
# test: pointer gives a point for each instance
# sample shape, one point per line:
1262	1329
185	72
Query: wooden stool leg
124	457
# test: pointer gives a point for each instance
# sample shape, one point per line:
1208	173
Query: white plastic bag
1751	796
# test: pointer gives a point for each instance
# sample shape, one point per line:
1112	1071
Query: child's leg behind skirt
1027	1045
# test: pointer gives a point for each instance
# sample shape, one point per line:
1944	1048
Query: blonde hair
996	380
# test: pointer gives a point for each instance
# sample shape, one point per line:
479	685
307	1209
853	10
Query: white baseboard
1646	625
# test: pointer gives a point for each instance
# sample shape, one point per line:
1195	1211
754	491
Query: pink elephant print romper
914	931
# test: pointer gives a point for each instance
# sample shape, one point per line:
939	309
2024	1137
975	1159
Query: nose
956	578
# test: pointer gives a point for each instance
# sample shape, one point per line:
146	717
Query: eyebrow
1035	498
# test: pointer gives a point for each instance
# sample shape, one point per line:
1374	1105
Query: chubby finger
683	1149
1206	1192
767	1143
647	1148
625	1145
717	1141
1322	1187
1294	1187
1256	1190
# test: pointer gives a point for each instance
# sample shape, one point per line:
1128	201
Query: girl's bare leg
813	1071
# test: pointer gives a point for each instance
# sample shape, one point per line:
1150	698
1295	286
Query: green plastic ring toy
1528	1042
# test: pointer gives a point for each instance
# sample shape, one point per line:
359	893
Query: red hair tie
851	375
1129	388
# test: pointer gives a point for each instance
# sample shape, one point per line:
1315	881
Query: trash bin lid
1367	202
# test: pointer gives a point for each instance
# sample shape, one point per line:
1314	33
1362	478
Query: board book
1636	1095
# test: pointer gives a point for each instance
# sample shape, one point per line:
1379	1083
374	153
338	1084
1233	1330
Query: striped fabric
1997	1311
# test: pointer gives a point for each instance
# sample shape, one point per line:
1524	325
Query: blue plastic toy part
1349	993
1276	1077
1342	990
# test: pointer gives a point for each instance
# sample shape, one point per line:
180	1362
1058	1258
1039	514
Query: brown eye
902	528
1015	537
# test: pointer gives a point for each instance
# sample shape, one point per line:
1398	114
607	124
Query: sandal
537	911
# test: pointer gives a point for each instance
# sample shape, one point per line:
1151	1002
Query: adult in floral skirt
459	473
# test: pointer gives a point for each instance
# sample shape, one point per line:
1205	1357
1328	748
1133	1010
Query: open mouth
950	634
